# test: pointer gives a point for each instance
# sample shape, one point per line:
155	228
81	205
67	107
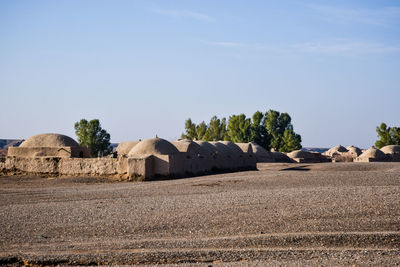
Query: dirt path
283	214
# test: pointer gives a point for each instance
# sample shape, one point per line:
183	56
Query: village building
392	152
307	157
372	155
49	145
157	158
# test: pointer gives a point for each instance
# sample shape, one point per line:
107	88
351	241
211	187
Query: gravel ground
283	214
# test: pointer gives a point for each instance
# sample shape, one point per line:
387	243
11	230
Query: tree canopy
239	129
280	130
214	131
387	135
271	129
91	135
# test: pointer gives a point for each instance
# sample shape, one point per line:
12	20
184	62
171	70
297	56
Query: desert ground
282	214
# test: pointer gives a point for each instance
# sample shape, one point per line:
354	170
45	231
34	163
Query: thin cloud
224	44
346	47
343	47
380	16
238	45
184	14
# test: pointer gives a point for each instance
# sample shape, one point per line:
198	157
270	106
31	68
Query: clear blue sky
143	67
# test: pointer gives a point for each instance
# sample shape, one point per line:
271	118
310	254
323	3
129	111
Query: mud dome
49	145
307	157
152	158
157	158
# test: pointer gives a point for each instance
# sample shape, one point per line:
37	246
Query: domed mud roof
280	157
302	154
188	146
124	147
354	150
153	146
259	151
233	147
373	153
49	140
245	147
336	149
391	149
207	147
222	148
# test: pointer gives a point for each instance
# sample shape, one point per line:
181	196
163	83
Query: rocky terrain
306	214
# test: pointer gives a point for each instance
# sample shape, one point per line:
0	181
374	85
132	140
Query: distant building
49	145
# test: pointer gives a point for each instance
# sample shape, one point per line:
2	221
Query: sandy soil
283	214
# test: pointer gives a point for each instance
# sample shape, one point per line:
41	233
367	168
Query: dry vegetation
318	214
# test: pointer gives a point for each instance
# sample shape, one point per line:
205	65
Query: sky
143	67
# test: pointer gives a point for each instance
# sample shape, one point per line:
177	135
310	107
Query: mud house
123	148
155	157
372	155
392	152
261	154
342	154
354	151
49	145
335	150
307	157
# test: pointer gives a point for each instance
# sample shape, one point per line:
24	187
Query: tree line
387	135
91	135
271	130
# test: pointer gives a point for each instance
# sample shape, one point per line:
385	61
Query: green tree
258	131
239	129
91	135
216	129
272	126
223	130
270	130
387	135
277	124
395	133
290	141
190	129
201	130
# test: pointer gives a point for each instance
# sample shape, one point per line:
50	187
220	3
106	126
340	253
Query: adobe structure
387	153
342	154
354	151
49	145
392	152
335	150
264	156
56	154
307	157
154	158
371	155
